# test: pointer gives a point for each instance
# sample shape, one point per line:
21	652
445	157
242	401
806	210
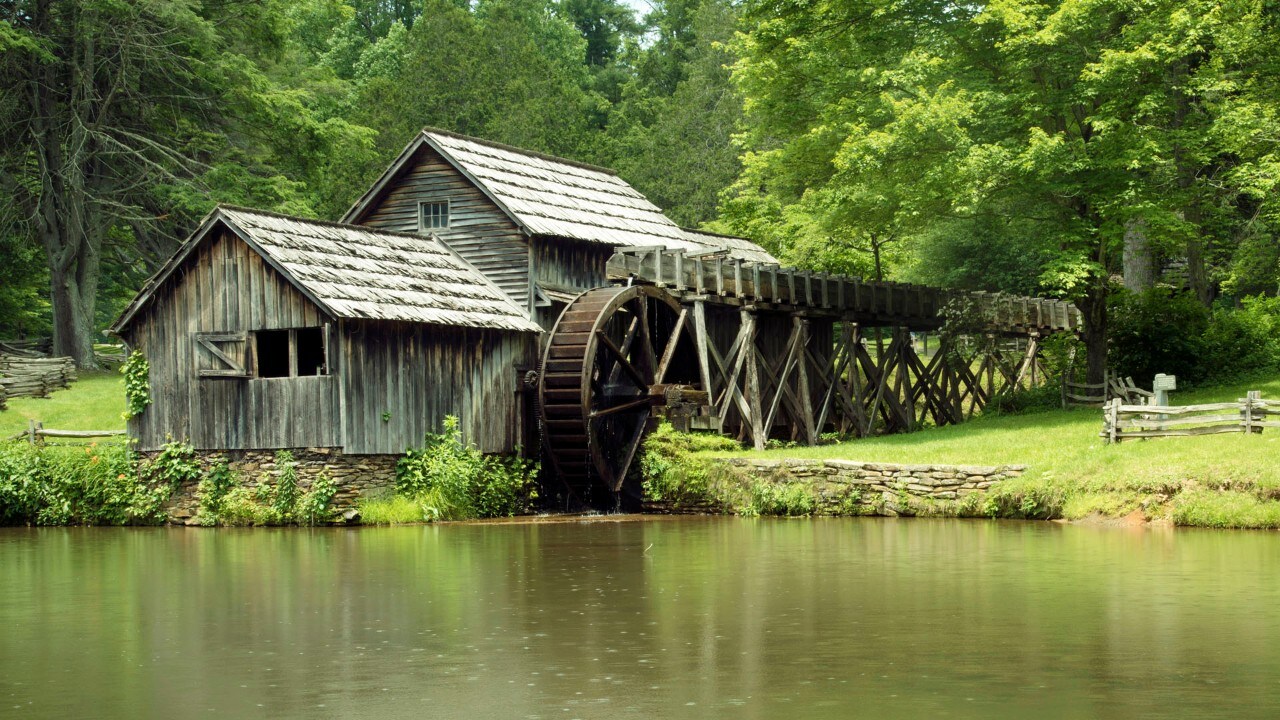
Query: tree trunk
1139	260
1094	309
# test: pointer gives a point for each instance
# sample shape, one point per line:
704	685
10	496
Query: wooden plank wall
224	287
478	230
568	265
418	374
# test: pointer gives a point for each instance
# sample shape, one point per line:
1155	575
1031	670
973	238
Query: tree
1068	121
675	145
123	121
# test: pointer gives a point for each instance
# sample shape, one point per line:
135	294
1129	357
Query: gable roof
359	273
544	195
734	246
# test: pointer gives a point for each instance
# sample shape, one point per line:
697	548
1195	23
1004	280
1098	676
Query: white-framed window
433	215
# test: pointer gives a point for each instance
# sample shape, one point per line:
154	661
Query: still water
666	618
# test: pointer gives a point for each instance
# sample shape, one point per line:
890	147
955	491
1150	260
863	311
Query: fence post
1113	419
1250	401
31	431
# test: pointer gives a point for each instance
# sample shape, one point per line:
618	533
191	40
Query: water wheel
608	364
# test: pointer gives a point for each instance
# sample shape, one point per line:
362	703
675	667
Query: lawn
1219	480
94	402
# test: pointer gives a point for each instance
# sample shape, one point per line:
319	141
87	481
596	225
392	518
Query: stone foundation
354	475
844	487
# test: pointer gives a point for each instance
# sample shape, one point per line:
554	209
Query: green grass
1074	473
390	510
94	402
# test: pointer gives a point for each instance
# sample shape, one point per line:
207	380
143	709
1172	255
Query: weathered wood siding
568	265
418	374
224	286
478	229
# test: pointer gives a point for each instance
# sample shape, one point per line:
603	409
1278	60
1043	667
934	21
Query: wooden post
704	353
756	415
31	431
802	381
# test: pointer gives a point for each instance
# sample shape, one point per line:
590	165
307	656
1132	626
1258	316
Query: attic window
300	352
433	215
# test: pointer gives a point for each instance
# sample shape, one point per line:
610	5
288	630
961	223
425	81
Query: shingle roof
736	247
358	272
547	195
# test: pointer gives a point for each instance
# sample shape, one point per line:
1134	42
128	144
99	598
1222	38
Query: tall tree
1069	120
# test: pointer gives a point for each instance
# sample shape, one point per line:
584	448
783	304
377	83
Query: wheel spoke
623	362
621	407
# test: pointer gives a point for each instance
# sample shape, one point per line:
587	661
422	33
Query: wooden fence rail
1249	414
36	433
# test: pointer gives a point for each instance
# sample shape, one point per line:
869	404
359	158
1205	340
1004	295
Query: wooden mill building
431	298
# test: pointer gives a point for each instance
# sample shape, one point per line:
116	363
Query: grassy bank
1212	481
94	402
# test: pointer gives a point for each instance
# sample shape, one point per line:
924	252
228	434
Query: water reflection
678	618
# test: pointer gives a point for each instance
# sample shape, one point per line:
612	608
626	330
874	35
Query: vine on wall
137	384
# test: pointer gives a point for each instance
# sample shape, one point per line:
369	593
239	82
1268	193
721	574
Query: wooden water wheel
610	361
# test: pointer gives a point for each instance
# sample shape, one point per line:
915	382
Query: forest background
1121	154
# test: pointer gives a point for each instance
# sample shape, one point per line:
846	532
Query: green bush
1158	332
71	485
672	475
1243	340
313	507
453	480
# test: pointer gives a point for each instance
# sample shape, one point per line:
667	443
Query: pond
653	618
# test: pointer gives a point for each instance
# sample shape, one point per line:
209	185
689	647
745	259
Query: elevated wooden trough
760	351
716	277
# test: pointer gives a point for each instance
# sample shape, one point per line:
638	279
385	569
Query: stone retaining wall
849	487
354	475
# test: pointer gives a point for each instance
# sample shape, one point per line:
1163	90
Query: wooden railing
715	275
36	433
1112	387
1248	415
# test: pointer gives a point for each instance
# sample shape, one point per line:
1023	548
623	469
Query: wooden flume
760	352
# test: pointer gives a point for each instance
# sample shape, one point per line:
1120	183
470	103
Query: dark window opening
310	345
433	215
272	351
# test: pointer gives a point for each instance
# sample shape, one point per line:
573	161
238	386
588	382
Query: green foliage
212	493
453	480
786	499
285	495
670	472
137	383
1038	399
1226	509
71	485
1158	332
174	466
312	508
392	509
276	500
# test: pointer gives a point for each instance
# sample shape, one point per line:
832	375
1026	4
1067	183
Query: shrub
1243	340
313	507
1158	332
673	475
174	465
285	495
69	485
453	480
212	493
